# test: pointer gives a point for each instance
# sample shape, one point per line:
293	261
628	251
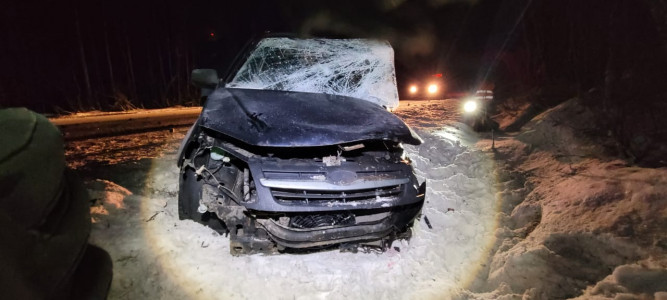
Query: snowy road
156	255
93	124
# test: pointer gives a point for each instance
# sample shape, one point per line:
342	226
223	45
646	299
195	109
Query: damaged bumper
277	198
394	221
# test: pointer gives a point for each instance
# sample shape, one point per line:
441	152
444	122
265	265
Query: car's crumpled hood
294	119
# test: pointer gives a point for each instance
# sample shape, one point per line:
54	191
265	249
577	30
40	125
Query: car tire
189	192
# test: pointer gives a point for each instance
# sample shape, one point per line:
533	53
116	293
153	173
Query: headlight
413	89
432	88
470	106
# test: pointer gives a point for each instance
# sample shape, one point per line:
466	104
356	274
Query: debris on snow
428	223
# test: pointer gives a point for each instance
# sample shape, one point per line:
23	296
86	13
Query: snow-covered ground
546	214
156	255
574	219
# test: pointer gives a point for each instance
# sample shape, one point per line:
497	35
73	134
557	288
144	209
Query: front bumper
384	197
397	220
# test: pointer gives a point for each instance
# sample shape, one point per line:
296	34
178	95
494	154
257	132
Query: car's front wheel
189	193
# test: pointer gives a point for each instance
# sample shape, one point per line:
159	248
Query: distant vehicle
475	110
477	102
430	87
296	149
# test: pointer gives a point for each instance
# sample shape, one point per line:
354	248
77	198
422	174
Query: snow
156	255
350	67
574	221
543	215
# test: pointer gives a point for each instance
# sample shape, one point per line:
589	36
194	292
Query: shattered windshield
350	67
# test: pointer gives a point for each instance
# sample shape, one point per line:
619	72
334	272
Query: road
86	125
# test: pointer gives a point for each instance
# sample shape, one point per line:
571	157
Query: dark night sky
103	54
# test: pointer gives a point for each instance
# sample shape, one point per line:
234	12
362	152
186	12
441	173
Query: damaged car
296	149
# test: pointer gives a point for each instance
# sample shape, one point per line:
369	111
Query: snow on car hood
295	119
357	68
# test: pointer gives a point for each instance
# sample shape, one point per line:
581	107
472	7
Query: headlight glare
470	106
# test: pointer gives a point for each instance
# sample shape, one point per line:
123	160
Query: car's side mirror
205	79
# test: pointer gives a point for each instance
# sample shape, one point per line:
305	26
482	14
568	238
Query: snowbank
567	130
574	221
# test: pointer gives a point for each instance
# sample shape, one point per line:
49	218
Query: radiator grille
296	196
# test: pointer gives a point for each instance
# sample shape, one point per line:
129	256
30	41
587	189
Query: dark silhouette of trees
610	54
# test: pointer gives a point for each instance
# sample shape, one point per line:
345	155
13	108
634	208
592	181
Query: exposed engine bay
277	199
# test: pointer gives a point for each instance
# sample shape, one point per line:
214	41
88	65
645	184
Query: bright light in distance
413	89
432	88
470	106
